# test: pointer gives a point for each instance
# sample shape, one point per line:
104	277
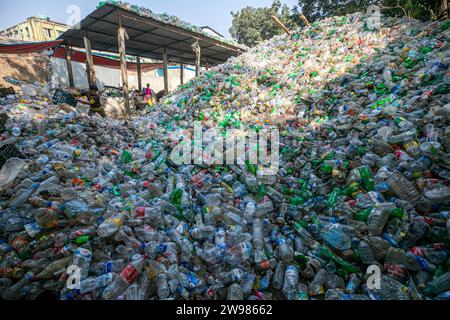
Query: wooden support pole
139	73
122	36
69	66
181	74
281	25
198	55
304	19
166	72
207	65
89	62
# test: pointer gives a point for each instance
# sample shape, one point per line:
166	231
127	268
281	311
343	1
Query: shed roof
148	36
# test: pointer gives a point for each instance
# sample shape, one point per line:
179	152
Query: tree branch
398	6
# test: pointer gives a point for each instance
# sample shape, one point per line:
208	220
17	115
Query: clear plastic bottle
14	292
278	277
108	266
366	253
336	238
111	225
316	286
247	283
284	249
403	188
93	283
125	278
290	285
258	236
235	292
377	220
162	285
82	259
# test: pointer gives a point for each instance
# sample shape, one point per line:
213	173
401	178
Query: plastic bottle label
118	222
140	212
129	274
83	253
264	265
105	280
33	229
108	267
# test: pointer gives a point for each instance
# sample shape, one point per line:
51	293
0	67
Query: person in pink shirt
148	95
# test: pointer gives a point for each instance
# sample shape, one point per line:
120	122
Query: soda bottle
82	259
125	278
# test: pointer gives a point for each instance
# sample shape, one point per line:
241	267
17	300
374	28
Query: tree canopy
253	25
419	9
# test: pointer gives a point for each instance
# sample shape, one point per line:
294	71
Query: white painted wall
105	76
111	77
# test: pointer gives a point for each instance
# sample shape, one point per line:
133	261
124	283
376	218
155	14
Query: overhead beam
106	47
174	29
172	57
158	47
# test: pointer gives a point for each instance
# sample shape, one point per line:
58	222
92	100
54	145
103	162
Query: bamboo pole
304	19
281	25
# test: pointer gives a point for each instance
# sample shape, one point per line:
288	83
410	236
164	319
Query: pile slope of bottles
358	209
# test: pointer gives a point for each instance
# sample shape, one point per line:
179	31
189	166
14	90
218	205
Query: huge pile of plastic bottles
358	210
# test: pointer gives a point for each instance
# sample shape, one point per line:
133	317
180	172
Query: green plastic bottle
127	157
354	187
82	240
346	266
333	197
398	213
366	176
363	215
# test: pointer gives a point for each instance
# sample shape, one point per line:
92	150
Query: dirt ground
26	67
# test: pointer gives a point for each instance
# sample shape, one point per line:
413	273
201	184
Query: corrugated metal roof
147	37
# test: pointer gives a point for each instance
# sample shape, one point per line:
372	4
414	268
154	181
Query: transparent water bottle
290	285
235	292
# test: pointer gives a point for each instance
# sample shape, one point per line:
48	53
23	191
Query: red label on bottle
129	274
200	185
429	221
140	212
264	265
395	270
417	251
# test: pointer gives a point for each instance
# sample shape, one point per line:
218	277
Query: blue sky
215	13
